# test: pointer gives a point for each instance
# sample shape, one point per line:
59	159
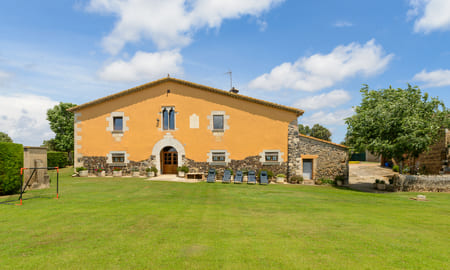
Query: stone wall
332	159
435	160
434	183
35	157
247	164
92	163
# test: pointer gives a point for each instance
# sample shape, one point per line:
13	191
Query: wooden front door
169	160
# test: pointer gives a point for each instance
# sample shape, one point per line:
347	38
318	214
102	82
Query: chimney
234	90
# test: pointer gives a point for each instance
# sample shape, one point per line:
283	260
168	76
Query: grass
131	223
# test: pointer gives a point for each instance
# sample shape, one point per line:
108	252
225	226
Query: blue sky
314	55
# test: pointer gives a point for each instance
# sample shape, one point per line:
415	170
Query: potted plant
377	181
148	171
182	171
280	178
296	179
100	172
117	171
152	172
82	171
245	174
381	185
135	172
339	180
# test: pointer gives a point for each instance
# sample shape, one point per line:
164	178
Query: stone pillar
293	162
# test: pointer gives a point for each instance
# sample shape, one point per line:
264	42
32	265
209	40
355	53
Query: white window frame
225	121
213	152
263	157
109	158
168	108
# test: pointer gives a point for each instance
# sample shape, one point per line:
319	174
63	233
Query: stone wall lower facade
431	183
247	164
93	163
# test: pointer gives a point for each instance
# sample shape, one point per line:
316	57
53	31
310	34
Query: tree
50	144
396	123
61	123
317	131
5	138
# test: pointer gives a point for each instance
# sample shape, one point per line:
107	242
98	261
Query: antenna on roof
231	78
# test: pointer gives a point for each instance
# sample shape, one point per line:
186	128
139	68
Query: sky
312	55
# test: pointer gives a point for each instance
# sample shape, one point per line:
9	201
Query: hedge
57	159
11	160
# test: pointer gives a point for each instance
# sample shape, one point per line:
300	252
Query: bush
153	169
11	160
183	169
269	173
80	169
281	175
57	159
296	179
395	168
324	181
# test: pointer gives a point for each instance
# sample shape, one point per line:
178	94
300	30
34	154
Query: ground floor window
271	157
218	157
117	158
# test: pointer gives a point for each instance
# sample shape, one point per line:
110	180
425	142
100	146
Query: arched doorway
169	160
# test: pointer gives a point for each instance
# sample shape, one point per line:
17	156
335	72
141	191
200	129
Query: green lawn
131	223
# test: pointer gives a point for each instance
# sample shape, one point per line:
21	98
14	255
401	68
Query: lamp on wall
168	91
157	122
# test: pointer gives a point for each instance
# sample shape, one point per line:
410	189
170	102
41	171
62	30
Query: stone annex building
170	123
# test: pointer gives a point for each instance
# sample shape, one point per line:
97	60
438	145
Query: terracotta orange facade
141	126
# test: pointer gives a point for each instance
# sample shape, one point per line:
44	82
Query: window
218	156
168	115
217	122
271	156
118	123
118	158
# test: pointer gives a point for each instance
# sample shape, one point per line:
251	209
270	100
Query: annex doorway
169	160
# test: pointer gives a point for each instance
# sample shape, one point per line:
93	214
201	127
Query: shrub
153	169
296	179
231	171
339	178
323	181
11	160
148	170
183	169
377	181
281	175
116	169
395	168
57	159
269	173
78	169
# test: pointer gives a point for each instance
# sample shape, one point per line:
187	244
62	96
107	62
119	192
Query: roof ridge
321	140
188	83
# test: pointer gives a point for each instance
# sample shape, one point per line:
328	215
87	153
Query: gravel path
363	175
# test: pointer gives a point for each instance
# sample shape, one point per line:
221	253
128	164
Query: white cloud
144	65
170	23
342	24
327	118
440	77
23	118
331	99
320	71
435	15
4	76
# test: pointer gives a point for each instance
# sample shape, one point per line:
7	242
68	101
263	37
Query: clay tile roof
195	85
320	140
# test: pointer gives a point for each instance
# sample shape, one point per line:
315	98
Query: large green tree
396	123
61	123
4	137
317	131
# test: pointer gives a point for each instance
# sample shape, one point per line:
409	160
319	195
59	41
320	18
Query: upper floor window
118	123
217	122
168	116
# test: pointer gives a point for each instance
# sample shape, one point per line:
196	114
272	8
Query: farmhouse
171	122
